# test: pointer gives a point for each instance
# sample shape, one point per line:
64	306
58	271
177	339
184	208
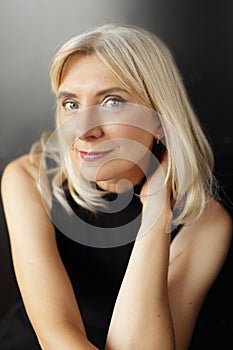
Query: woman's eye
70	105
113	103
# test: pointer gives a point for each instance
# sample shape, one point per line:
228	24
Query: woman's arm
141	317
45	287
160	297
197	255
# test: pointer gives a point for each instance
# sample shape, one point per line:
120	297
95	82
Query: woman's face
93	102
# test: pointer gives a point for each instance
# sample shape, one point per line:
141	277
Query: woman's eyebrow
65	94
111	90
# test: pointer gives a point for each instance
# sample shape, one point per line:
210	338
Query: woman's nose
93	133
89	124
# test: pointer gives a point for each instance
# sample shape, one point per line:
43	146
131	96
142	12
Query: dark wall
200	34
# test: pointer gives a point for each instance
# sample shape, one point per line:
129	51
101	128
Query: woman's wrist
155	216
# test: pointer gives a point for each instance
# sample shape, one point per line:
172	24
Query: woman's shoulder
215	218
199	251
212	231
26	165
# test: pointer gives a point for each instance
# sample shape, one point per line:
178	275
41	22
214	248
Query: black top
96	273
96	268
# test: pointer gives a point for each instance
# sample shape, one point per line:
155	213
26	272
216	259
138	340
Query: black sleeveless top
96	268
95	249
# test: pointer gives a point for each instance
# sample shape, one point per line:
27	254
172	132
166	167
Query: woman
92	212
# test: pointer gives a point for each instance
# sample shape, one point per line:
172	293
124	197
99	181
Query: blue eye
70	105
113	102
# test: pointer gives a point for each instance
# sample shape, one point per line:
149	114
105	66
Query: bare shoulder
212	232
198	253
23	165
24	207
214	215
19	185
214	220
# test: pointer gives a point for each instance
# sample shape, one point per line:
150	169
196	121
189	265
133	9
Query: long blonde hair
144	65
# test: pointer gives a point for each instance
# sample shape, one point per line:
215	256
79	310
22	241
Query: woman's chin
92	174
107	172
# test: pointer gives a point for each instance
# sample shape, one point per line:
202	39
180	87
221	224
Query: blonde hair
144	65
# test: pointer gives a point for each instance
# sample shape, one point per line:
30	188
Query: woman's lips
93	156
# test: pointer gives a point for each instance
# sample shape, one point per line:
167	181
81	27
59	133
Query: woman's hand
155	196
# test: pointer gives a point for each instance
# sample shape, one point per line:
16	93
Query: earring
157	139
